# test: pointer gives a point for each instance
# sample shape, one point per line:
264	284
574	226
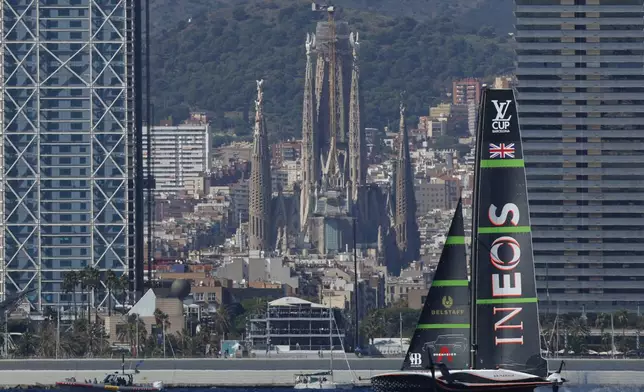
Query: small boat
111	382
494	313
117	381
320	380
324	380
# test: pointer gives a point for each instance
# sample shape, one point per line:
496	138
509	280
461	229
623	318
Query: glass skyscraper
70	114
580	71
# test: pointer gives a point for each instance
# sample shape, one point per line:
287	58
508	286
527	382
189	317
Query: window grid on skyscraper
581	105
67	124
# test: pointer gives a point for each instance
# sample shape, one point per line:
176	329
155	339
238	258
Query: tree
70	282
91	278
27	345
372	326
221	321
578	332
603	321
622	320
134	333
113	283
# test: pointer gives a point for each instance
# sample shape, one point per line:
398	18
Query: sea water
572	388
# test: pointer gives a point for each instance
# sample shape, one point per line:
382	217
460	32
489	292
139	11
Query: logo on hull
506	283
447	301
415	359
444	352
501	123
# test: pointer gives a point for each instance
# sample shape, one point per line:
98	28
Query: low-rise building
291	324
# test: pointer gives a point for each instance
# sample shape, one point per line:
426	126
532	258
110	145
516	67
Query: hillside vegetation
210	61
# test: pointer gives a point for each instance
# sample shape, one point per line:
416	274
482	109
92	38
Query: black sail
506	316
444	325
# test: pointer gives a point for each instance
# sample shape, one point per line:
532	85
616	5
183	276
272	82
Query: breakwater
272	371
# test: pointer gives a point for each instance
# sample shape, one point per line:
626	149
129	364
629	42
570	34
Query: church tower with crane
335	194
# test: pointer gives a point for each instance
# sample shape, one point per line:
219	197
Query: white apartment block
180	156
431	195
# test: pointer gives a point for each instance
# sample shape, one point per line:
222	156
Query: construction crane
330	10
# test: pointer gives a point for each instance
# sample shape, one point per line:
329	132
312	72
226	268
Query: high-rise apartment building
465	91
581	101
69	117
180	155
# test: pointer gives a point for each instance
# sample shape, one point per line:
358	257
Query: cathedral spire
310	157
260	181
406	227
356	136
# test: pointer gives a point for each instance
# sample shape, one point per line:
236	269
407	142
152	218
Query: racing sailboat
504	335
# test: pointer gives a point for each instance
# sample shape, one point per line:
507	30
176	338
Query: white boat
324	380
320	380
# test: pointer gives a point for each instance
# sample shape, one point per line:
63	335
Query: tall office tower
580	73
69	121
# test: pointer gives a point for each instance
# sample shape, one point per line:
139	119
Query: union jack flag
501	150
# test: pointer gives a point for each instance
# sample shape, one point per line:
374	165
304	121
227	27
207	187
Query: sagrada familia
333	194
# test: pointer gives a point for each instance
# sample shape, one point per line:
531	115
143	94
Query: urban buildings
70	118
180	155
466	91
581	105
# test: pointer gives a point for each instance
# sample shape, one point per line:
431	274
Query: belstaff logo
415	359
447	301
501	123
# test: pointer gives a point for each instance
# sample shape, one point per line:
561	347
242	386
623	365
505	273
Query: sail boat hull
461	380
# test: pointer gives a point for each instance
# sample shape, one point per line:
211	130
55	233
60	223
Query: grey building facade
69	132
580	71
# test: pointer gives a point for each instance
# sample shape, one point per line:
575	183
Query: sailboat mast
475	214
355	286
331	340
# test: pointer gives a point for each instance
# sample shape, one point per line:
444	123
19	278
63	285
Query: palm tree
222	321
602	321
162	320
70	282
82	281
579	332
622	319
92	278
135	333
111	282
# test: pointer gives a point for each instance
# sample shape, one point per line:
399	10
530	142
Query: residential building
431	194
239	196
581	105
71	192
285	151
180	155
416	298
398	288
465	91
